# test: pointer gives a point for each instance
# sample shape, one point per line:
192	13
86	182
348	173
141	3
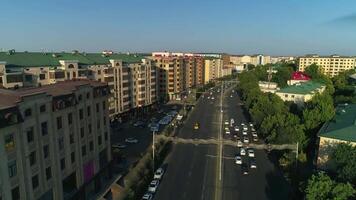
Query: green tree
321	187
345	167
283	75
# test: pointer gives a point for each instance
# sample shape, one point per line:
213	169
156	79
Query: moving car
212	98
131	140
251	124
251	153
244	169
226	122
153	186
237	128
242	151
239	143
238	160
253	163
227	131
158	174
254	134
119	146
255	139
196	126
147	196
246	140
245	128
244	132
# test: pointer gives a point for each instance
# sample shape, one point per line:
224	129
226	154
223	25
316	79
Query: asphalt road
193	171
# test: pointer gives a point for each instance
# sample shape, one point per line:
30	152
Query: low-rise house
298	77
268	86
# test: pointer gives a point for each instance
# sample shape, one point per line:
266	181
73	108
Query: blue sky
275	27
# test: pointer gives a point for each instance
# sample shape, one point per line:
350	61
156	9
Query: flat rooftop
302	88
343	125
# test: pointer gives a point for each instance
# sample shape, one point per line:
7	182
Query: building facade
243	60
329	65
212	69
131	78
55	141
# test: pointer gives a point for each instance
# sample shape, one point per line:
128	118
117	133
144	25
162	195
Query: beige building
131	78
55	141
268	86
244	60
329	65
341	129
301	92
212	69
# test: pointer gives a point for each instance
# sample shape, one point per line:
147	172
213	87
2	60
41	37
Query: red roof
300	76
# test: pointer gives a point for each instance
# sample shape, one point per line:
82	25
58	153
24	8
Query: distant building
300	92
329	65
244	60
282	59
298	77
212	69
341	129
268	86
55	140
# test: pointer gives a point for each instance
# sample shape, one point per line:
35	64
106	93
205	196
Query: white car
239	143
227	132
242	124
147	196
254	134
158	174
253	129
251	124
246	140
242	152
131	140
244	132
238	160
255	139
226	128
253	163
153	186
226	122
251	153
245	128
212	98
237	128
231	96
232	121
208	97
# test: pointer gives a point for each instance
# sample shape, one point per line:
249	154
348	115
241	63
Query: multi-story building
54	140
131	78
244	60
329	65
341	129
300	92
212	68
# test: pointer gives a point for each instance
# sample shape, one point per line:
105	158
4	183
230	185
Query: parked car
244	132
119	146
238	160
159	173
254	134
196	126
244	169
237	128
227	132
226	122
239	143
147	196
131	140
255	139
153	186
246	140
253	163
251	153
242	151
139	124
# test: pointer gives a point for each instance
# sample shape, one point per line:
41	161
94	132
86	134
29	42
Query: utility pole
153	151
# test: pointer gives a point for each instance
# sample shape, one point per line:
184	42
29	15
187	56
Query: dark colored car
244	169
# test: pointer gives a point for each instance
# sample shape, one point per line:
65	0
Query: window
12	168
88	110
45	151
99	140
32	158
106	136
82	132
80	113
28	112
60	143
80	97
104	105
63	164
72	157
59	123
89	128
88	95
48	173
91	146
9	142
15	193
71	138
98	124
43	108
42	76
84	150
104	120
70	118
97	107
35	182
29	134
44	128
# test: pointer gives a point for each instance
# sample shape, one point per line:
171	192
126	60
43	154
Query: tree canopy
345	167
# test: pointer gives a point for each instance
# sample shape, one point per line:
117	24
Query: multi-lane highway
208	172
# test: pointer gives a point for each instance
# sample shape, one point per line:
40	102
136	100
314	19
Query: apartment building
212	68
244	60
329	65
55	141
131	78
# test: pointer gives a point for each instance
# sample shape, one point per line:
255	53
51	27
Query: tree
283	75
321	187
345	167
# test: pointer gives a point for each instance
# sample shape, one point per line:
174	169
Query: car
232	121
179	117
253	163
212	98
227	131
153	186
239	143
160	111
208	97
147	196
244	169
236	128
254	134
119	146
244	132
131	140
238	160
196	126
253	129
242	124
251	153
178	99
242	151
231	96
139	124
245	128
255	139
235	135
251	124
158	174
226	122
246	140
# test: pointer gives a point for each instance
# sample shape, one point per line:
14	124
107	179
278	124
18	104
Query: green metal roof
37	59
302	88
343	125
